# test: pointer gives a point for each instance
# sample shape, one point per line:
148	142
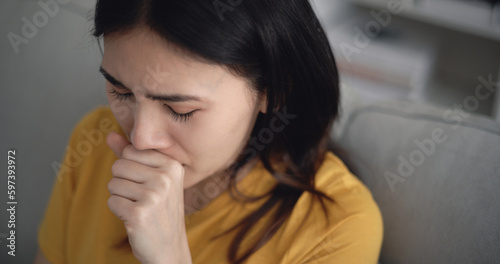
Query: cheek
214	143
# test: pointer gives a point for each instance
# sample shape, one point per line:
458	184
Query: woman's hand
147	194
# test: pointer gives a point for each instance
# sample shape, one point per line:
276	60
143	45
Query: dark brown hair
281	48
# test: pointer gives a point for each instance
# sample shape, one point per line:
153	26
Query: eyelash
176	116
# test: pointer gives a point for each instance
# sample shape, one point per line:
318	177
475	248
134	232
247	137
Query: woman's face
196	113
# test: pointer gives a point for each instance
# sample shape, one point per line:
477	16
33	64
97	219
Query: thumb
117	143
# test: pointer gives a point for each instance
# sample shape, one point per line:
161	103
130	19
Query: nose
150	129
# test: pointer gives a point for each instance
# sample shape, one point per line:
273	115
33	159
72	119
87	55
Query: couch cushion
435	174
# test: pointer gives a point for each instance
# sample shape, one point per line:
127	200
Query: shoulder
334	179
350	196
351	230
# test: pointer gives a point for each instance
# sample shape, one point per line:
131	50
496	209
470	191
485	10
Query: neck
202	193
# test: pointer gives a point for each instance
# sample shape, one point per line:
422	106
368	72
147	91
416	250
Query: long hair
280	47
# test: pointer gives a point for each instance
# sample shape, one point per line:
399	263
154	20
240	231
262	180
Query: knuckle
175	169
164	176
178	169
152	196
164	183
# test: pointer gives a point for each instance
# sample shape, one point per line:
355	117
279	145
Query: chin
189	180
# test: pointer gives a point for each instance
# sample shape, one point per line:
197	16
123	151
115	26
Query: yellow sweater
78	226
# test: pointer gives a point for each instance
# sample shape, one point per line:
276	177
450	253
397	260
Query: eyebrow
168	98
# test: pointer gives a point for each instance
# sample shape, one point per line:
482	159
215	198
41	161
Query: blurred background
432	51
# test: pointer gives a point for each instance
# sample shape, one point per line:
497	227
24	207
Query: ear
263	103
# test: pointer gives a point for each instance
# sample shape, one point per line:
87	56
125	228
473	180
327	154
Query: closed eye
121	96
181	117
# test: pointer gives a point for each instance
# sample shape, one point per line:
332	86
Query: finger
132	170
149	157
121	207
117	143
124	149
125	188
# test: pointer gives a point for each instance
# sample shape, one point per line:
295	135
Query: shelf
436	62
478	20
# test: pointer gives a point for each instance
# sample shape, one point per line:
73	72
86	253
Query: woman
222	112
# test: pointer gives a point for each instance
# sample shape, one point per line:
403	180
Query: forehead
140	58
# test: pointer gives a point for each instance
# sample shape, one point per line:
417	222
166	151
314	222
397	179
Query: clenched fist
147	195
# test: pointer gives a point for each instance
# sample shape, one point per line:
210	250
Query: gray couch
435	174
